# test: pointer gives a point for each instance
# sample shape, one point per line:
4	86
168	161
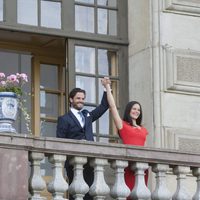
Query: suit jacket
69	127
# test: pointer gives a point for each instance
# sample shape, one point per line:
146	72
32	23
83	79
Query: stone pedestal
13	174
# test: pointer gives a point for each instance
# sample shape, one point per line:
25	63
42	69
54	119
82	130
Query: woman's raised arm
113	108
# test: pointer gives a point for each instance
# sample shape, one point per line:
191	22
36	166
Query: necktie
82	118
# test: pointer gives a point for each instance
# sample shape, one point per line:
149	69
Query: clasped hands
105	81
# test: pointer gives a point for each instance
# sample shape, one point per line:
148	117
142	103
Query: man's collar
74	110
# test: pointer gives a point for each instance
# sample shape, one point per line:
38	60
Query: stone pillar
140	190
78	188
58	186
181	190
161	191
119	190
36	182
99	188
196	172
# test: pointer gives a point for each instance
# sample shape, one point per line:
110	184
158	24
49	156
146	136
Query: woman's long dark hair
127	111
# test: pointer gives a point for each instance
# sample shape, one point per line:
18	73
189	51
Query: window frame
68	23
122	72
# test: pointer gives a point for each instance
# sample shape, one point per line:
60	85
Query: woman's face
135	111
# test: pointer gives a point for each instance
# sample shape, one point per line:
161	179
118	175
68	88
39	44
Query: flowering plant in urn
10	99
12	83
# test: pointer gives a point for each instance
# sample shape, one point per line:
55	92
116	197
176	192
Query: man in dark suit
77	124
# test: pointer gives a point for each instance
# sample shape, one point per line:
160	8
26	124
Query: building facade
148	48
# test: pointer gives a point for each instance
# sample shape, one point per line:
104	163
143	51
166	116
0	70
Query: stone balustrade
161	165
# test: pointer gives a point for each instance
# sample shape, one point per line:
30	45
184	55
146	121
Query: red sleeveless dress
132	136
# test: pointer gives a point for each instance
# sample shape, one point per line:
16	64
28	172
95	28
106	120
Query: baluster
58	186
78	188
99	189
196	172
161	191
119	190
181	190
140	190
36	182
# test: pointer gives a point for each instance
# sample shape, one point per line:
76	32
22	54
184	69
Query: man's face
78	101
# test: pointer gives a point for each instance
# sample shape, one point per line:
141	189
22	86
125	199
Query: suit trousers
88	174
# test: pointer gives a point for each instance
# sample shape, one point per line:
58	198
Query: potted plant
10	99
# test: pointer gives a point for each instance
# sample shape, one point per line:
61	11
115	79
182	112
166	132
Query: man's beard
78	107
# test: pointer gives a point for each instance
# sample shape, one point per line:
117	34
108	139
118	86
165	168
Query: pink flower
2	83
24	77
12	78
2	75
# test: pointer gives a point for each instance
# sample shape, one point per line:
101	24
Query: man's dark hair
75	91
127	111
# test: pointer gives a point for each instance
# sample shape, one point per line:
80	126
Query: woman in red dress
130	129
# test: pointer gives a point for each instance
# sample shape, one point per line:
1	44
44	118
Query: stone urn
8	111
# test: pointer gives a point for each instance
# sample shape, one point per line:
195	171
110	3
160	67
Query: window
91	64
1	10
50	94
99	16
11	63
46	13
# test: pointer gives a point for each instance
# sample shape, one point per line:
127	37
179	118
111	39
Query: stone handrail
162	161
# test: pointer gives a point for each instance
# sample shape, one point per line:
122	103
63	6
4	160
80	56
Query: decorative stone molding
181	69
180	140
184	6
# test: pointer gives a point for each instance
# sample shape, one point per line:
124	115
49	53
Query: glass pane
112	22
1	10
112	3
48	76
51	14
85	1
107	64
85	59
27	12
48	104
107	21
48	129
9	63
104	123
84	19
88	84
102	21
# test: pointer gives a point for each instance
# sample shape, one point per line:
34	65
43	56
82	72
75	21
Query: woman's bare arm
113	108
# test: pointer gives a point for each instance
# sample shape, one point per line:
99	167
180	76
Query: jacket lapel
74	118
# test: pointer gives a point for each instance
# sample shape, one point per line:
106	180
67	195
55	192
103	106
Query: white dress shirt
78	116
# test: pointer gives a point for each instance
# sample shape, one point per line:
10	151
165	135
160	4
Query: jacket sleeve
61	128
101	109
